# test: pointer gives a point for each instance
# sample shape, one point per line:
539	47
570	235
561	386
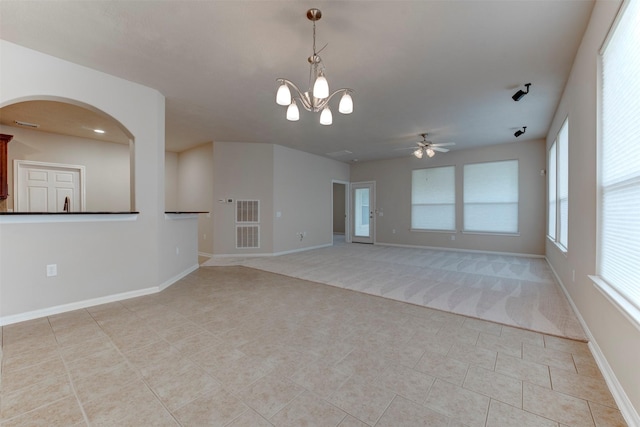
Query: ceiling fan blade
444	144
442	150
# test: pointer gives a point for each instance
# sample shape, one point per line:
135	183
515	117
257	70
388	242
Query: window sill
491	233
425	230
630	311
558	246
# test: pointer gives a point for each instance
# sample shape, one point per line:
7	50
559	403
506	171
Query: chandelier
317	97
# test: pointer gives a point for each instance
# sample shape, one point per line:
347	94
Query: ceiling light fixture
519	94
317	97
98	131
520	132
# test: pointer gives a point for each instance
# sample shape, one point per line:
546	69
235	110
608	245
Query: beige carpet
511	290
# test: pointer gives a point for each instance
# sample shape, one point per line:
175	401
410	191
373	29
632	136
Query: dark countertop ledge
70	213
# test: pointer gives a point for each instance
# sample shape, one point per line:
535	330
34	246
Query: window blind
433	199
491	197
619	228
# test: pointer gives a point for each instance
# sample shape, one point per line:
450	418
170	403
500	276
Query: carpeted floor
511	290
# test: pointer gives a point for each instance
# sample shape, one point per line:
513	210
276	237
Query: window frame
619	297
556	239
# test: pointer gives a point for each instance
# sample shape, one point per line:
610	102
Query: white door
48	187
363	207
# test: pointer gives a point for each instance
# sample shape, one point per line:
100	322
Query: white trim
292	251
491	233
270	254
347	210
205	254
625	406
50	311
438	248
66	217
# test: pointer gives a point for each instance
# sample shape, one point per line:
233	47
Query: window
552	193
433	199
491	197
619	161
558	191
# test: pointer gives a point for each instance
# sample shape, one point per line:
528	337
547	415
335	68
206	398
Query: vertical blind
433	199
491	197
619	228
551	231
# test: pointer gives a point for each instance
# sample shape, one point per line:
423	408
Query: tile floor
232	346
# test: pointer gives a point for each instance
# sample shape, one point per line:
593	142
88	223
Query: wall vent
247	224
247	236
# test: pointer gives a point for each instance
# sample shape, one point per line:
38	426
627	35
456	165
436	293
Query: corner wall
97	260
614	336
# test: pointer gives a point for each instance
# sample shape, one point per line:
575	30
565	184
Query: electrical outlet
204	237
177	250
52	270
453	237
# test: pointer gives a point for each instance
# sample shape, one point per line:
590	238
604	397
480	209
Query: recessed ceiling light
98	131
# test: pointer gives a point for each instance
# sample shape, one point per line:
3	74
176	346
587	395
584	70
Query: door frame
18	165
372	209
347	210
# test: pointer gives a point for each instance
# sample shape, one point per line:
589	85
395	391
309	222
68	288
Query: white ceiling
448	68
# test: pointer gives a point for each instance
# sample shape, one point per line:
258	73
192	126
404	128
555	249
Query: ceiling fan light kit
428	148
317	97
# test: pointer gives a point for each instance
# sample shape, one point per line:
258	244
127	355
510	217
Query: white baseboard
438	248
627	410
270	254
164	285
63	308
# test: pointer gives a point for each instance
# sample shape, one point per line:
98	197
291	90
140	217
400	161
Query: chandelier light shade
316	98
418	153
293	114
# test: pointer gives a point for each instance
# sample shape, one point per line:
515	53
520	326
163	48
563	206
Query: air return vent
247	224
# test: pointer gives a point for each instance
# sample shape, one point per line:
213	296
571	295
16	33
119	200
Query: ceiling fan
428	148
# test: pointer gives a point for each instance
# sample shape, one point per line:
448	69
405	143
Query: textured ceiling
448	68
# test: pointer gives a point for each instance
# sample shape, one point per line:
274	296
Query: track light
520	132
519	94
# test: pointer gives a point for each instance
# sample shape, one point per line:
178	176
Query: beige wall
107	164
241	171
303	186
99	259
393	198
171	182
195	190
616	337
288	182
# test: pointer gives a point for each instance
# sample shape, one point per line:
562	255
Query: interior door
362	214
48	187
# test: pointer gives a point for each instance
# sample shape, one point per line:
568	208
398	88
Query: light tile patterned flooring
233	346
